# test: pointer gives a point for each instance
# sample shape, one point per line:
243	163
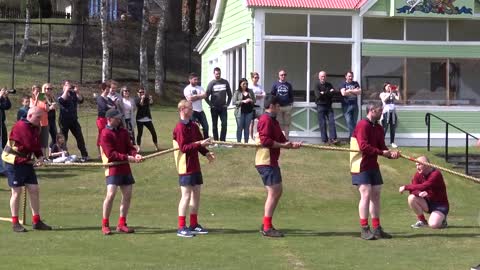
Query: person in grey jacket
219	95
244	100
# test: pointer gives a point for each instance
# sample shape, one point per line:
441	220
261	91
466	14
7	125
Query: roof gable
312	4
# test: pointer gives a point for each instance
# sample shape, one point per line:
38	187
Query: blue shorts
270	175
20	174
193	179
120	180
370	177
437	207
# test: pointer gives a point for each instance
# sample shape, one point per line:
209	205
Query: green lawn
318	212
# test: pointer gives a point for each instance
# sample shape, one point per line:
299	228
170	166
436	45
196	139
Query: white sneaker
419	224
394	145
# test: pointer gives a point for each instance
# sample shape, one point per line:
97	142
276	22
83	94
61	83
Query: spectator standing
195	93
23	110
68	119
144	117
38	100
5	104
128	108
219	96
244	100
52	106
350	90
259	101
283	90
389	117
324	92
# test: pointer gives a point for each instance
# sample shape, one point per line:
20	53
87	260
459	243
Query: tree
79	16
143	45
174	15
188	21
204	17
162	26
26	37
106	43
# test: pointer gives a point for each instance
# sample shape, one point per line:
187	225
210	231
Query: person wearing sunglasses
283	90
144	117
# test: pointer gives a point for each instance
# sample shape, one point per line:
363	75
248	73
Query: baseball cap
113	113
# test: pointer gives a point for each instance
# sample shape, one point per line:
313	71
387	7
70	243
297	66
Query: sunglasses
256	77
283	74
141	92
126	90
48	88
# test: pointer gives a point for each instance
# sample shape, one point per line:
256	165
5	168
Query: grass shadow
446	235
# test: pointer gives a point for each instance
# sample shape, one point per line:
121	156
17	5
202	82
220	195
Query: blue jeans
325	113
243	124
350	111
201	118
222	113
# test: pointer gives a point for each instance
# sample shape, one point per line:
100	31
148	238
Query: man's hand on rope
136	159
391	154
205	142
210	157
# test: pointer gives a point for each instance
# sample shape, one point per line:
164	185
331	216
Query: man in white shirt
195	93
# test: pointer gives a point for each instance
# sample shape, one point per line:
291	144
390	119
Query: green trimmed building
430	48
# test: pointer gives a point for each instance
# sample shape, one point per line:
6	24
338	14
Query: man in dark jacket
219	96
5	104
283	90
68	119
324	92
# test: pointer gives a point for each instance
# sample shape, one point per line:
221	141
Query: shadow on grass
446	235
463	227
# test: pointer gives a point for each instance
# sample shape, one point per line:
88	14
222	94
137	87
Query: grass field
318	213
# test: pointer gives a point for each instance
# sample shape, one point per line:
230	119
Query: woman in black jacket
144	117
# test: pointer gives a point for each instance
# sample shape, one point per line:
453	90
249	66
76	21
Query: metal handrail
467	135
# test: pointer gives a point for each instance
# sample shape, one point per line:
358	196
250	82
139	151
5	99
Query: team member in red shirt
189	140
271	137
23	144
428	194
115	145
368	137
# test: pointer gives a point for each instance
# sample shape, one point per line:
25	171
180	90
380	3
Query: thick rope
24	214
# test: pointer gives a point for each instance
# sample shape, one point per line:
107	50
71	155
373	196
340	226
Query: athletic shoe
17	227
380	233
475	267
444	224
185	232
366	234
419	224
85	159
394	145
272	233
41	226
334	142
106	230
198	230
261	228
124	229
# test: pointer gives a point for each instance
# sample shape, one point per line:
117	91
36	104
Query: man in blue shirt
68	119
350	90
283	90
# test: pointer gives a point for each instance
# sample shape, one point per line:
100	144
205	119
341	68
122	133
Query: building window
235	60
285	24
463	79
426	30
383	28
464	30
378	70
331	26
291	57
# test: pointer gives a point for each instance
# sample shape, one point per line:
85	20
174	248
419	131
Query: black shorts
21	174
270	175
437	207
193	179
120	180
370	177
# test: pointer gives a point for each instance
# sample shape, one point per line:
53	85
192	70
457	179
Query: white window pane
285	24
291	57
428	30
426	81
383	28
331	26
464	30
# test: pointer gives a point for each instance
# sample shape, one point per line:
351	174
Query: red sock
105	222
35	219
364	222
421	218
375	222
267	223
122	221
193	220
181	222
15	219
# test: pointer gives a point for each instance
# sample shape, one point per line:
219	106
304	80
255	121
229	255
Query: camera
12	91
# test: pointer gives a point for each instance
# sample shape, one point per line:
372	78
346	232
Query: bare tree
160	47
188	20
106	43
174	15
143	45
26	37
79	16
204	17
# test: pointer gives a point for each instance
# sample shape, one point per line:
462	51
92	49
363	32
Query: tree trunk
79	15
188	21
174	15
143	45
26	37
204	17
106	46
160	49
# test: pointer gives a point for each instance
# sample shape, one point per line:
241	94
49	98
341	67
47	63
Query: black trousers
4	135
150	127
52	129
76	129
